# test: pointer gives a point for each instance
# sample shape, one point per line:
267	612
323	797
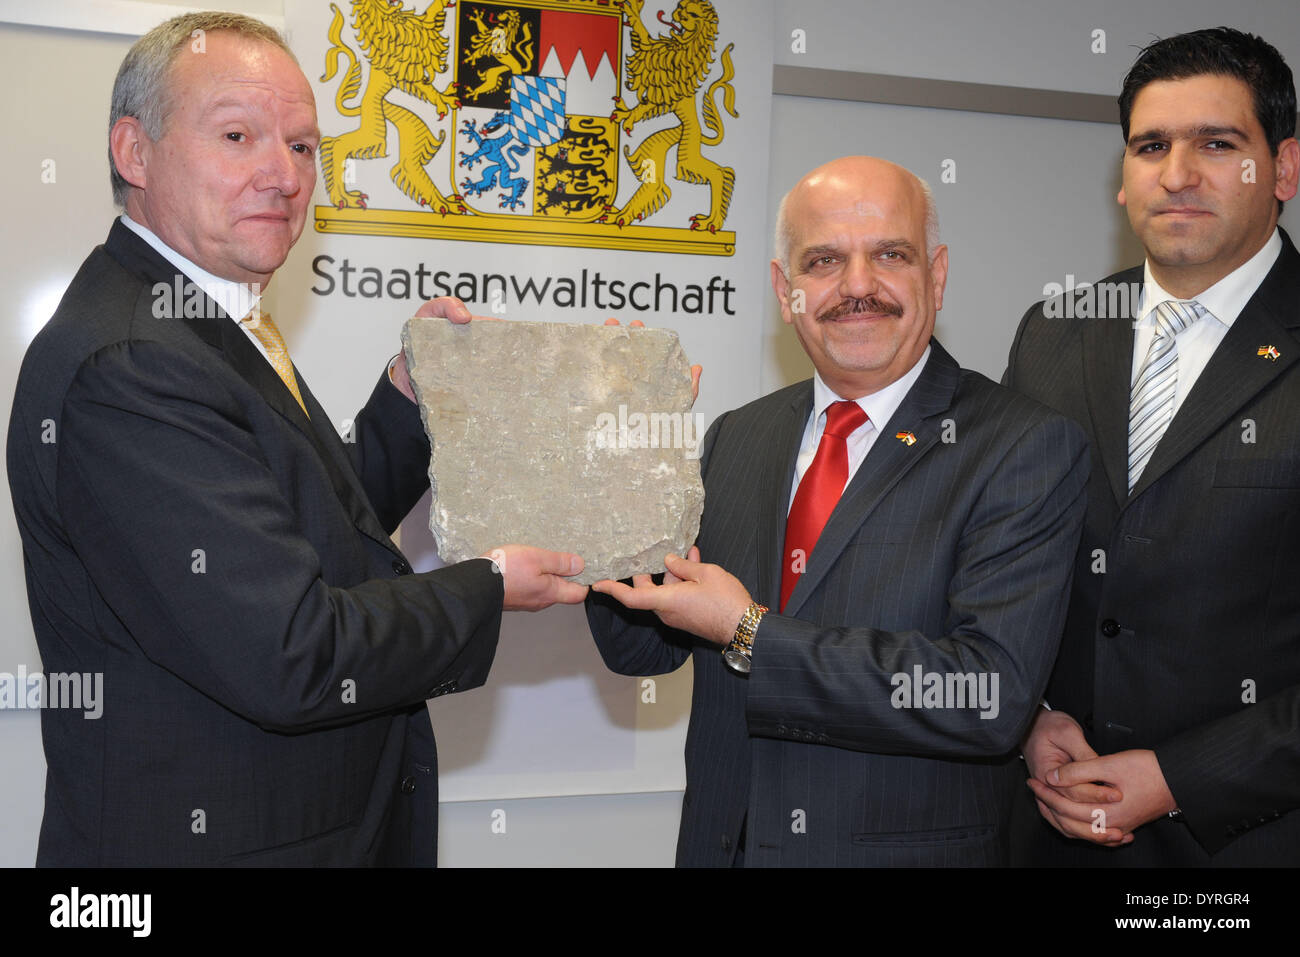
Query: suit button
726	843
401	567
408	785
1110	628
780	729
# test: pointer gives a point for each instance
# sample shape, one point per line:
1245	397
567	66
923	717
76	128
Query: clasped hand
1097	798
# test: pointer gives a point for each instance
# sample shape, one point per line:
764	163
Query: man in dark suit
889	548
1175	738
196	532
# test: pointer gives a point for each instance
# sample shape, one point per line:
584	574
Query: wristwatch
739	654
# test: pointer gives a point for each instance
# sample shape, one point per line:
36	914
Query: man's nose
1180	169
279	170
859	278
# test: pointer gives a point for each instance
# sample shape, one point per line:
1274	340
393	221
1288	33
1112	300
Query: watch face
737	661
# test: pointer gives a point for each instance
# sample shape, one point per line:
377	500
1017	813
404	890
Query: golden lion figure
665	73
499	42
405	50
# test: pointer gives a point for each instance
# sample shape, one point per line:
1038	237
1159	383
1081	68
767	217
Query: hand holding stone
447	307
705	600
534	577
451	309
696	370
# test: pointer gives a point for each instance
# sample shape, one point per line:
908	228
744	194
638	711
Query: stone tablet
570	437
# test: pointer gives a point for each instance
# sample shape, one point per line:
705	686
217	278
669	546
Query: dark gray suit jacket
225	563
951	554
1199	602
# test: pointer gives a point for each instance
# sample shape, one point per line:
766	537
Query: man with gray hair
888	549
196	531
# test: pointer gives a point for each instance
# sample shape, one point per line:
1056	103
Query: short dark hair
1220	51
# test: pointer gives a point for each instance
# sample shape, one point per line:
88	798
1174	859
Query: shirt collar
880	406
238	299
1227	297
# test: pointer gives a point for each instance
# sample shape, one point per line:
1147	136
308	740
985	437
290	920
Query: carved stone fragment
571	437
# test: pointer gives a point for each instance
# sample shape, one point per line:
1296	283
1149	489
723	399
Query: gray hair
142	85
783	237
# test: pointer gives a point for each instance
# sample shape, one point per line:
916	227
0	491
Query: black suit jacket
224	562
1183	634
951	554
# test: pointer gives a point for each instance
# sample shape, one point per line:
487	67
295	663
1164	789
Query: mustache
872	304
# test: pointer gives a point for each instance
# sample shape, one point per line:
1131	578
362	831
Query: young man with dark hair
1175	738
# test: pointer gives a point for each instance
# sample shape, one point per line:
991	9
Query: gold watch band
739	652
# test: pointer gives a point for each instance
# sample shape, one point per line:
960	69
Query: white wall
1042	44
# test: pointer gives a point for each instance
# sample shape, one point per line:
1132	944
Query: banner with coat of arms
531	122
555	160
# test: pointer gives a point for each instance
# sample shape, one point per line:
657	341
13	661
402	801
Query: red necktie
820	489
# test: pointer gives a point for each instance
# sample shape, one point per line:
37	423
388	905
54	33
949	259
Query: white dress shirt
879	406
1223	303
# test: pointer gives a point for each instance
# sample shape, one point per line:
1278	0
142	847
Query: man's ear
939	274
1287	167
781	286
128	143
1120	197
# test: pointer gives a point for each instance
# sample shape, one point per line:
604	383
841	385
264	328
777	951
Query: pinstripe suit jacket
1198	610
224	562
951	555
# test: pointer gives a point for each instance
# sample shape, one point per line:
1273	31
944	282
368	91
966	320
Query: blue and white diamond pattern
537	109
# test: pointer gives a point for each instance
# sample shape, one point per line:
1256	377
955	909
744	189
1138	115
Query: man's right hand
535	577
1055	739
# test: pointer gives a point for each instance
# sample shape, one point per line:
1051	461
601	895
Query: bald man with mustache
881	575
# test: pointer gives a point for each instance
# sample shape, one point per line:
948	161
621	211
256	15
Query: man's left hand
447	307
705	600
1137	775
696	370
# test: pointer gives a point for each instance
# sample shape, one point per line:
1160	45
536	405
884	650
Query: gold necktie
263	327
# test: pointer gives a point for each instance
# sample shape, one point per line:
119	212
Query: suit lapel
221	333
1107	381
1236	372
347	484
885	465
775	478
253	368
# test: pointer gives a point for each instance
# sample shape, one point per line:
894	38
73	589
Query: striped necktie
263	327
1151	402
